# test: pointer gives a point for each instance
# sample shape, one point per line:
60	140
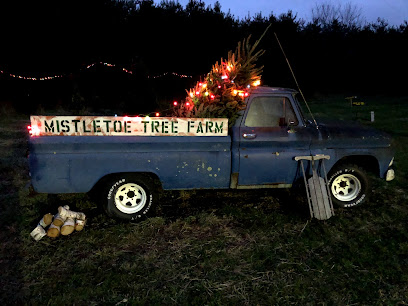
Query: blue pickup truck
259	152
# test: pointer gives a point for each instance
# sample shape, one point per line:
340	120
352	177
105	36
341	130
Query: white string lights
88	67
31	78
166	73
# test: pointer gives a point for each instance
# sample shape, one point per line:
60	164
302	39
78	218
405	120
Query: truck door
271	135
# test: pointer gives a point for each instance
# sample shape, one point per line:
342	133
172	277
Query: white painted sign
127	126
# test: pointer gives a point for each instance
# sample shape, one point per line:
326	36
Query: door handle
249	136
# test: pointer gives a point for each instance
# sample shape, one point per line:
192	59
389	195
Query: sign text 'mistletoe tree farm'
127	126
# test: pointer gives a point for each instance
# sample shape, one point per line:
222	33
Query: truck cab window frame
271	111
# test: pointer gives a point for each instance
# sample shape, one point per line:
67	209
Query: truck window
270	112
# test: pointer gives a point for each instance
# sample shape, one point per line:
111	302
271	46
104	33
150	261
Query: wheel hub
130	198
343	184
346	187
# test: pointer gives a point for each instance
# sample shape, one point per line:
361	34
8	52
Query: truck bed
69	164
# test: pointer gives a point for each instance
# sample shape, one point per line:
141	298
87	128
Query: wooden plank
326	203
127	126
319	198
313	198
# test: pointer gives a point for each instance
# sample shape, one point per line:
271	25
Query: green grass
218	247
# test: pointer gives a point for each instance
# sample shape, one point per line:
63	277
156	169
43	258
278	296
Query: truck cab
267	137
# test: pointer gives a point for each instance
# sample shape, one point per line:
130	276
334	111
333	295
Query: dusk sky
394	11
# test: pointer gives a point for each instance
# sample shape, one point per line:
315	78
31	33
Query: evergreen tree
222	93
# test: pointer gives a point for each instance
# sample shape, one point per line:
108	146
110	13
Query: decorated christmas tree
223	91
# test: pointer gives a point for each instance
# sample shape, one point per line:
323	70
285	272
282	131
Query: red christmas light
157	114
33	130
175	103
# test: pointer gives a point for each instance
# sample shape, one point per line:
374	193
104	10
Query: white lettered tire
348	185
130	197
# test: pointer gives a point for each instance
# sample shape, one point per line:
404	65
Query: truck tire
130	197
348	185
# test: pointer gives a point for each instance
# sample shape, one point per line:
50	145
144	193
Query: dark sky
394	11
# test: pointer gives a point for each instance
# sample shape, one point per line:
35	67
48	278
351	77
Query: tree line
335	51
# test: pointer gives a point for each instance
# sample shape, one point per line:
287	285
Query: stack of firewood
63	223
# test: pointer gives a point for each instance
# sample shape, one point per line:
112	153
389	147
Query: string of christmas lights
88	67
32	78
166	73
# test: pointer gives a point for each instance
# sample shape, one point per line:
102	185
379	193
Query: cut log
68	226
66	213
53	231
38	233
79	224
46	220
58	219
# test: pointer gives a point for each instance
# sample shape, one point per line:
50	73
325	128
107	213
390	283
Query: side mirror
292	123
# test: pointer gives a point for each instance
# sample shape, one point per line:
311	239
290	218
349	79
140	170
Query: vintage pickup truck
259	152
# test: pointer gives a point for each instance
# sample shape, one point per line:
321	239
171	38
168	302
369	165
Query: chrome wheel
130	198
346	187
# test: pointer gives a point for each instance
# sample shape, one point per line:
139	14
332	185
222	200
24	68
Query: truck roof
272	90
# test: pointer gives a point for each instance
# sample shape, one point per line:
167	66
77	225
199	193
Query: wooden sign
127	126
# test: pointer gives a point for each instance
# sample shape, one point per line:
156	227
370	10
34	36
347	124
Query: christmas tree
223	91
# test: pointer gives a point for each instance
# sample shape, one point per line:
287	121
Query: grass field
218	247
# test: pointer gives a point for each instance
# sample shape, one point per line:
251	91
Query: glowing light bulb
235	92
191	94
33	130
188	104
157	114
223	77
212	97
246	94
204	85
175	103
256	83
197	93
